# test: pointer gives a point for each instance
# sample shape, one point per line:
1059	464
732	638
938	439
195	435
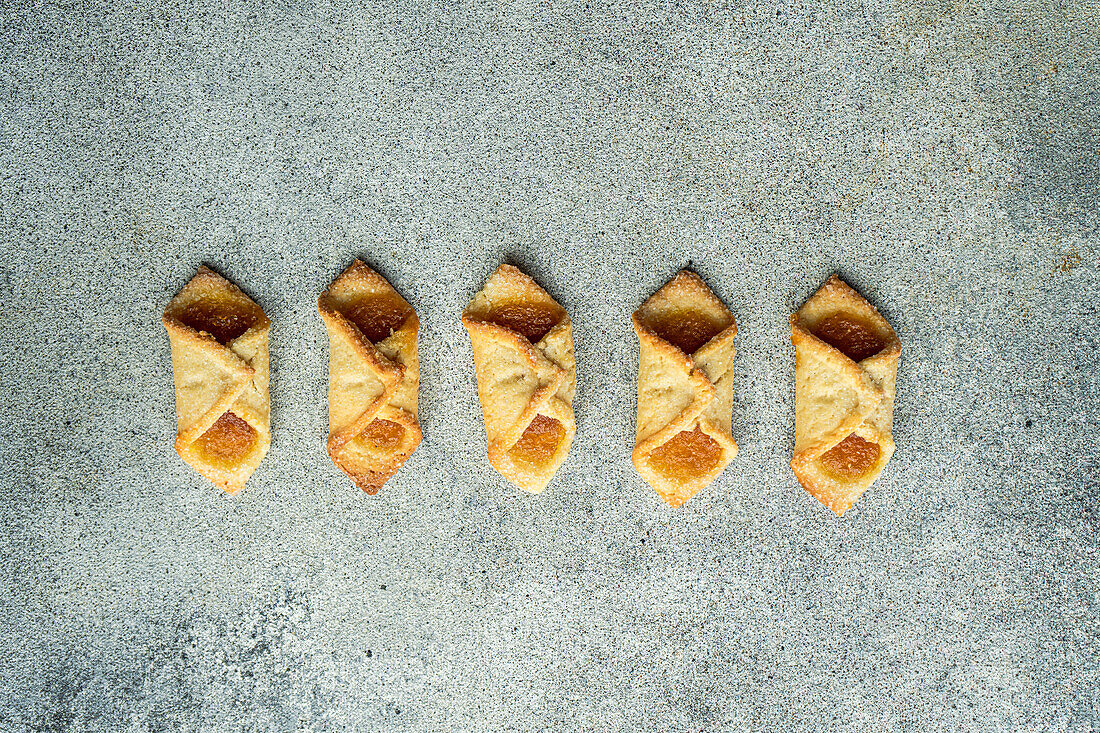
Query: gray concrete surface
942	156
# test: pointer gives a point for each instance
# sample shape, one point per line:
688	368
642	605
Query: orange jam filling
851	458
223	317
855	338
685	330
377	315
539	441
227	441
529	320
686	456
383	433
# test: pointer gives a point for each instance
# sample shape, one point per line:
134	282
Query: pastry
526	376
846	364
219	360
374	376
685	388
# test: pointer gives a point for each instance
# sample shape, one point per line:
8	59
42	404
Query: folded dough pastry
526	376
374	376
846	364
219	360
685	388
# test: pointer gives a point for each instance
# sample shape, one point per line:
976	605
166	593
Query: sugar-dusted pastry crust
526	376
374	376
685	388
219	342
845	369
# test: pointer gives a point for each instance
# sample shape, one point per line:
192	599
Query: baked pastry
373	376
220	364
526	376
685	388
845	368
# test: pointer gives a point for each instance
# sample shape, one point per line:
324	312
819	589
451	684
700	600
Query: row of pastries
522	342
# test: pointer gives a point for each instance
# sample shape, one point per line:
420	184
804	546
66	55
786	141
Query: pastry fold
845	368
685	388
526	376
374	376
219	340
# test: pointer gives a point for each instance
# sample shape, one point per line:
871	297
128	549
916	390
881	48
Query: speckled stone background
942	156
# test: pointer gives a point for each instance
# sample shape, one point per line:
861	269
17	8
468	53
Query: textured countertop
942	157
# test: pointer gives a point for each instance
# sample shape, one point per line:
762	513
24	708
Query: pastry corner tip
673	500
359	266
837	505
690	275
206	273
368	483
231	488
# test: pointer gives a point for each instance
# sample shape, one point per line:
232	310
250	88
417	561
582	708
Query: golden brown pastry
220	363
374	376
845	368
685	388
526	376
